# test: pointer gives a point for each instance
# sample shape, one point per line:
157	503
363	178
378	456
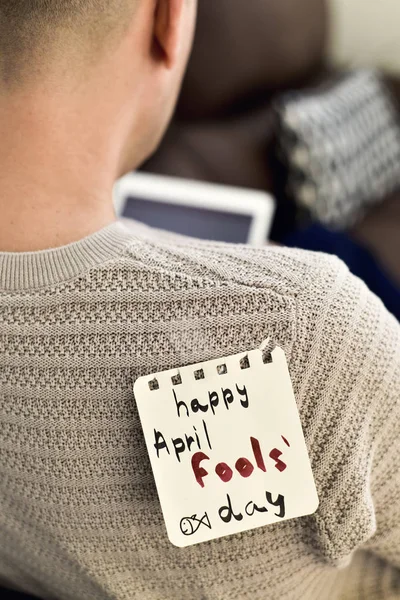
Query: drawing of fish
190	525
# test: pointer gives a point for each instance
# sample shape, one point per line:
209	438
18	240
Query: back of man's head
33	31
87	88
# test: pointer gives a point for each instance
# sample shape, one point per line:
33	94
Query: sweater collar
32	270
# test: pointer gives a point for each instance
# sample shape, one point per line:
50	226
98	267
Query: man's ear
167	21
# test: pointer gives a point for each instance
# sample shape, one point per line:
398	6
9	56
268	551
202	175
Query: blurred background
365	33
300	98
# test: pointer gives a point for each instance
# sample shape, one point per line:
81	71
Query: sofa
245	54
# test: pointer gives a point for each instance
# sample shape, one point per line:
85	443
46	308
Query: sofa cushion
247	47
231	151
342	146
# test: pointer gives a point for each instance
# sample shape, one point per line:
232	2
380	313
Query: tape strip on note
226	446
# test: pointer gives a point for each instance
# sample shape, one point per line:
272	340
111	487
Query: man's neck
27	226
57	170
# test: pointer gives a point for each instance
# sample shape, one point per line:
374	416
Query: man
86	307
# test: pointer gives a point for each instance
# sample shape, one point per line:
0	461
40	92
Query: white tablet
201	210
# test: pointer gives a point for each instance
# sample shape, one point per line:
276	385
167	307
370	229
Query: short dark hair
29	28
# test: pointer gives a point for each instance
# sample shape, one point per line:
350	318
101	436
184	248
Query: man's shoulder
286	271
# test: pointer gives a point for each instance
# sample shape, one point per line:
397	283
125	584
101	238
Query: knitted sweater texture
79	513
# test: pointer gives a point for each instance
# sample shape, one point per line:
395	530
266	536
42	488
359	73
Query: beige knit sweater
79	513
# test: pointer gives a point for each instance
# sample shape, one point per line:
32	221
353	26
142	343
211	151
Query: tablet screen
201	223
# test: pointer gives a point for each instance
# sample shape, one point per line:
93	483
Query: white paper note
226	446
